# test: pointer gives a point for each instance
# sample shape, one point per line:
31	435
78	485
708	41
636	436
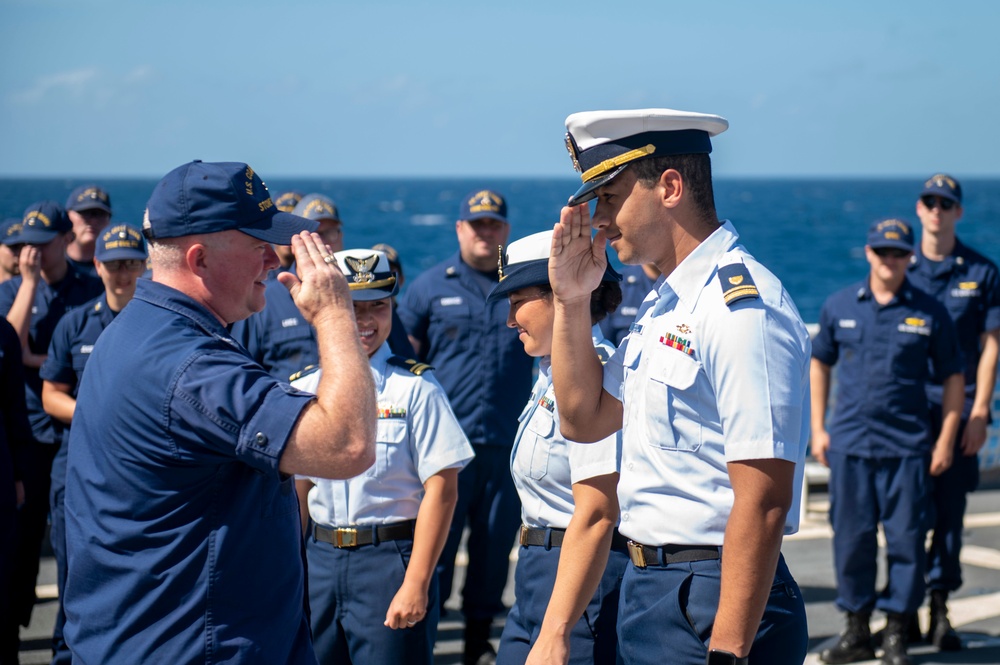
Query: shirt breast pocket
909	355
672	417
541	426
389	441
452	323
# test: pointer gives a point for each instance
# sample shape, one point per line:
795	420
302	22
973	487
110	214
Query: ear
671	187
196	257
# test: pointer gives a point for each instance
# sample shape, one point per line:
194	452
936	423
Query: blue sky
850	88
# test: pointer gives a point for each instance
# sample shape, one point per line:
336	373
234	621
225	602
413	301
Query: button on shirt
545	465
52	301
418	436
968	285
477	358
183	537
885	354
703	384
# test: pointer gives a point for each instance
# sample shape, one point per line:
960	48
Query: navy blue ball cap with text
603	143
88	197
210	197
943	185
120	242
10	231
42	222
317	207
526	263
483	204
891	232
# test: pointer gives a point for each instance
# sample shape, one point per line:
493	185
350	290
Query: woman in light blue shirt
571	557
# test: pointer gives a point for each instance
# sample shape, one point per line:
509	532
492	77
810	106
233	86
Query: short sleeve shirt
885	355
703	383
418	436
545	465
183	537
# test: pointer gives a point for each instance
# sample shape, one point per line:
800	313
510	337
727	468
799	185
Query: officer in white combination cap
710	388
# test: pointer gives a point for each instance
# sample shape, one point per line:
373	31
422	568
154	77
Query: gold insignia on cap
941	180
571	149
362	268
484	201
35	218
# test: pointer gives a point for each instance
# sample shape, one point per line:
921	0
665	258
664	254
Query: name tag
288	323
453	300
86	348
964	293
629	311
635	327
847	323
914	329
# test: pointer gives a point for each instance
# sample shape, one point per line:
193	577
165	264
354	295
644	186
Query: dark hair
695	170
603	300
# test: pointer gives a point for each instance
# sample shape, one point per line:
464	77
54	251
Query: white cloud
88	83
74	82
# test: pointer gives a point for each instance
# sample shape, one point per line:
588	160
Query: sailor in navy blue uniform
9	232
571	558
376	537
33	302
89	208
487	377
887	339
182	530
968	284
637	282
120	258
710	388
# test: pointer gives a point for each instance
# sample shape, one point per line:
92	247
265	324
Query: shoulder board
410	364
737	284
603	354
309	369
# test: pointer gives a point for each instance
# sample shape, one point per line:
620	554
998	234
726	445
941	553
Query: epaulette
737	284
309	369
603	354
410	364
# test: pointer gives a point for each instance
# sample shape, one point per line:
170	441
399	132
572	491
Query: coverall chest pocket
673	421
390	437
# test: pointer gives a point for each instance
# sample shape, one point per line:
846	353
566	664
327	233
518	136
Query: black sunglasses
892	252
930	201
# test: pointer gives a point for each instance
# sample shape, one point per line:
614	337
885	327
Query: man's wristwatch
720	657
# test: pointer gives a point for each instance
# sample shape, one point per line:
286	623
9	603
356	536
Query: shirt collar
689	278
170	298
380	365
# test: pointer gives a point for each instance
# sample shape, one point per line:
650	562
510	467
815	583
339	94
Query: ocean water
810	233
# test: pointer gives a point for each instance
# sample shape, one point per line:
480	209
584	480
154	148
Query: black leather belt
355	536
646	555
531	537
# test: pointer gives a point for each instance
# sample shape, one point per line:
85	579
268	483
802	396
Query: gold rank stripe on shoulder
740	292
309	369
737	283
609	164
409	364
391	412
419	368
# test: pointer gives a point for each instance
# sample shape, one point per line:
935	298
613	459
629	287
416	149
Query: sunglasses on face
890	252
131	265
930	201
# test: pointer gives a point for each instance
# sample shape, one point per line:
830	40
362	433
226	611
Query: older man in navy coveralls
487	376
183	535
888	340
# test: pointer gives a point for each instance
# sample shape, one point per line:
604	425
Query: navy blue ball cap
88	197
42	222
482	204
891	232
526	263
287	201
209	197
119	242
943	185
368	274
10	231
603	143
317	207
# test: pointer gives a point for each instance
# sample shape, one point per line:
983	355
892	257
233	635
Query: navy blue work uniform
636	285
880	436
968	285
15	435
487	376
52	301
183	537
72	343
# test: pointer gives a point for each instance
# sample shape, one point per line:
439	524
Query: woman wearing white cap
571	557
375	539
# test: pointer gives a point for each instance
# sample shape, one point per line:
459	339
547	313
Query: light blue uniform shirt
702	384
545	465
418	436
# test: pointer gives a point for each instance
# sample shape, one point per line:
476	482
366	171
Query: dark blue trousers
863	492
488	501
57	536
593	640
948	499
350	591
667	613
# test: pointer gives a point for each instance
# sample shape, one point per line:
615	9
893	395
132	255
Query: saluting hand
576	263
319	284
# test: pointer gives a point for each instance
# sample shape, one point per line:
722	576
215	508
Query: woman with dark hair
571	557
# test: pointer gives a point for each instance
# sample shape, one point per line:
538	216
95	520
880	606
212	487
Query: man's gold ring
329	258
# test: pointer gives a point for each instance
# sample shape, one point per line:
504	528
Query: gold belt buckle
346	537
523	538
636	554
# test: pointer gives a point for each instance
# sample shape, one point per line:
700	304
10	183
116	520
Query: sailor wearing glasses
889	341
119	260
968	285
